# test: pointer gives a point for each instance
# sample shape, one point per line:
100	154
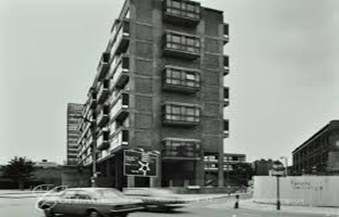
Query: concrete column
199	173
221	170
130	181
156	181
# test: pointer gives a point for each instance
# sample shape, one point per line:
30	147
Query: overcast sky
283	81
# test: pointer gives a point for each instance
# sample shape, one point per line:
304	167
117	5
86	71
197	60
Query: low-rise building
320	153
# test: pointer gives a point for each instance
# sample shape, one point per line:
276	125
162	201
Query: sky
283	81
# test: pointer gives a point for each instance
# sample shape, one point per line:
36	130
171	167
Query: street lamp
286	164
94	147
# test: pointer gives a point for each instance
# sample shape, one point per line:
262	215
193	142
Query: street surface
24	207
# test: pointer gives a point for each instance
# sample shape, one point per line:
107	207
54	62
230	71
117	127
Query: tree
19	170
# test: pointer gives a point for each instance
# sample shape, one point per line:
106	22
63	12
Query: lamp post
286	164
93	126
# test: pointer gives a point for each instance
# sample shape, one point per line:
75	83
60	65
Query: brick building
320	153
159	86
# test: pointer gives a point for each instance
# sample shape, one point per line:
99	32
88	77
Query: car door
84	201
64	204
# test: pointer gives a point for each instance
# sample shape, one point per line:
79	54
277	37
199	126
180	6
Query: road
25	208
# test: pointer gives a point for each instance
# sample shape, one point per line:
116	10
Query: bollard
236	205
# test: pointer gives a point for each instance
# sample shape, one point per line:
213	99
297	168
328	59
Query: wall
298	190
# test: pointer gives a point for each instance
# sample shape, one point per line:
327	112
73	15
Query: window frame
181	148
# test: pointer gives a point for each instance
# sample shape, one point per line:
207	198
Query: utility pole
93	129
94	152
278	192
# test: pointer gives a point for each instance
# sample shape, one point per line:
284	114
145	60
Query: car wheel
123	215
49	212
93	213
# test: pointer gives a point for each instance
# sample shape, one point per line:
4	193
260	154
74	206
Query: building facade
237	171
73	109
320	153
159	86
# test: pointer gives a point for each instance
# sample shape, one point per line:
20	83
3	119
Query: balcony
181	80
120	37
226	128
185	13
121	72
226	65
226	33
103	116
103	65
120	106
179	45
119	139
181	149
180	115
226	97
103	140
103	91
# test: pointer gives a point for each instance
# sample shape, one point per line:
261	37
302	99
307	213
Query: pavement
24	207
248	204
17	194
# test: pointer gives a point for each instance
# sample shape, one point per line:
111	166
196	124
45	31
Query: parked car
91	202
157	199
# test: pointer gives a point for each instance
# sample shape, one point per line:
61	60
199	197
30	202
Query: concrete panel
211	110
143	85
143	138
212	45
143	120
144	67
144	32
298	190
144	50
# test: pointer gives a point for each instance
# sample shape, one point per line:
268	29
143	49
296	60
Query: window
184	9
182	42
178	148
181	77
182	113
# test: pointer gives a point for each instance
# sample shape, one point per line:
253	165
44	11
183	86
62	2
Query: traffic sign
278	166
138	163
277	172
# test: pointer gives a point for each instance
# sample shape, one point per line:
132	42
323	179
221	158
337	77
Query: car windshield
108	194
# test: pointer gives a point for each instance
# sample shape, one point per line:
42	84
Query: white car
157	199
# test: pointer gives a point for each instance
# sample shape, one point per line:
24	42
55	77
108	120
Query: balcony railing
119	139
226	97
226	33
181	80
121	72
181	149
181	12
181	45
120	37
226	128
180	115
103	116
103	91
226	65
120	107
103	65
103	140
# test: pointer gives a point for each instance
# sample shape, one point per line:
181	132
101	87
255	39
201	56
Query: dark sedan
91	202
